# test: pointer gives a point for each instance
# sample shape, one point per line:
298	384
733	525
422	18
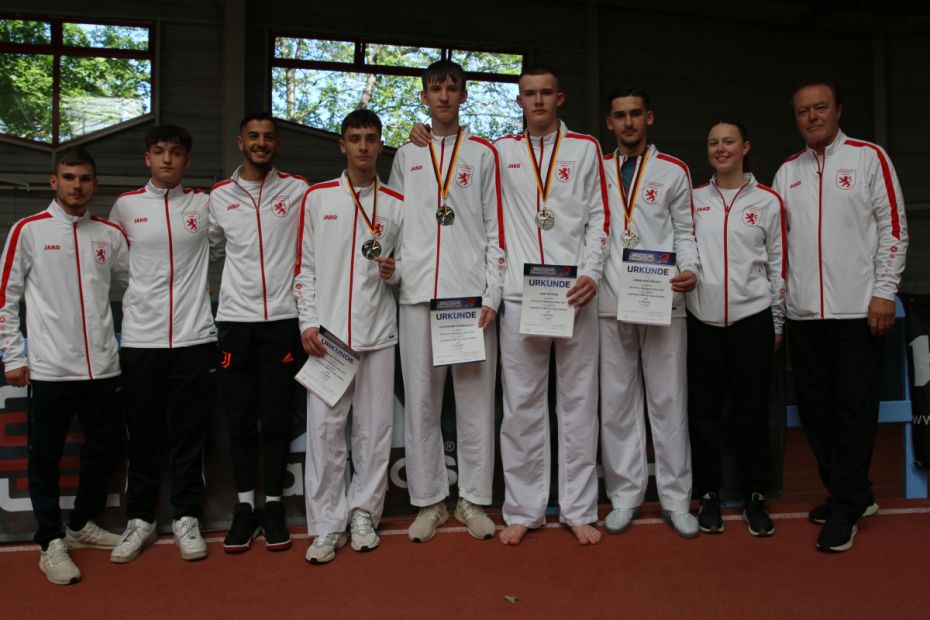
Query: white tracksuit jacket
662	217
577	199
334	285
258	234
465	259
167	303
742	246
847	232
63	264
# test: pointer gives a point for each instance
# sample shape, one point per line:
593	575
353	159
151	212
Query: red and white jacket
257	231
335	285
167	303
662	217
577	199
742	246
465	259
847	233
63	264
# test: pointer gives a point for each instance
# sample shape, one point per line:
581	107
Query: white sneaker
139	534
475	520
323	548
684	523
364	537
188	539
91	536
619	519
57	565
427	522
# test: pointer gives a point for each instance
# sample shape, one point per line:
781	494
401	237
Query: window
316	82
61	80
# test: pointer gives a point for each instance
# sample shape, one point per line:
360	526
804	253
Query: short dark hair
744	136
73	156
361	118
540	70
442	69
837	93
257	116
168	133
624	91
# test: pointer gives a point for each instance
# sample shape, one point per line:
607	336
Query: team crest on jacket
564	171
381	224
463	175
751	216
652	192
101	251
845	179
279	206
191	221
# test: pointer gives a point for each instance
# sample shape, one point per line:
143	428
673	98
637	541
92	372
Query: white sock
247	498
272	498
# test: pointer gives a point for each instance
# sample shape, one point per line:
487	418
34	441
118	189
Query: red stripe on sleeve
11	252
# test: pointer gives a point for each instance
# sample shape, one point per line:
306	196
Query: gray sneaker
619	519
187	538
139	534
323	548
364	537
684	523
57	565
91	536
475	520
427	522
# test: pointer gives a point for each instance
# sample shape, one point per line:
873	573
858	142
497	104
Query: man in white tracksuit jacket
453	257
61	261
650	194
847	239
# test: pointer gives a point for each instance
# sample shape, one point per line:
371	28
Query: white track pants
474	385
371	398
525	441
630	353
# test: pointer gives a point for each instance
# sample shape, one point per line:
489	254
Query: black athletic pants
167	412
734	361
258	362
837	374
52	406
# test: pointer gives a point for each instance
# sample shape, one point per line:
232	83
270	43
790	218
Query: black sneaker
244	528
757	517
836	535
277	538
709	518
819	514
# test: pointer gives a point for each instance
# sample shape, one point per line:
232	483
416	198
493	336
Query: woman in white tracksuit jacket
735	319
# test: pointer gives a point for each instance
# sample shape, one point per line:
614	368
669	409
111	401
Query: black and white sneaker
709	517
820	513
277	537
757	517
243	529
836	535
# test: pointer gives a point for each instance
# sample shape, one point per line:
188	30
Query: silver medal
629	238
545	219
445	215
371	249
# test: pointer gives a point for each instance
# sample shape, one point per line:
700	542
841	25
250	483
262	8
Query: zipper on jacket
542	254
352	270
170	276
726	254
77	258
442	157
820	169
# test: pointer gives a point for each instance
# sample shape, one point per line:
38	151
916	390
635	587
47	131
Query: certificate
545	309
645	294
329	376
453	326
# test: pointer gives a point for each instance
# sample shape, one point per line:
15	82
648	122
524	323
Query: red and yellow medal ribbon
629	201
370	223
446	183
544	187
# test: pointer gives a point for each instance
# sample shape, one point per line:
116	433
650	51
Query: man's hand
487	317
310	338
18	377
684	282
881	316
421	134
584	291
386	266
779	338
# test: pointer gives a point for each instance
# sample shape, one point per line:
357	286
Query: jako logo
330	216
52	246
140	220
415	168
513	165
231	207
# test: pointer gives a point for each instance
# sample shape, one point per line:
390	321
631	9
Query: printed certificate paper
645	291
329	376
545	301
453	326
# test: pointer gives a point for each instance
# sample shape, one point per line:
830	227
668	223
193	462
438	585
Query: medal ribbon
544	187
358	204
629	202
446	183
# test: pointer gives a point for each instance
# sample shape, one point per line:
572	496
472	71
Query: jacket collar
57	212
174	192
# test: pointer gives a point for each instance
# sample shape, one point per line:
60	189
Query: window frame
57	49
